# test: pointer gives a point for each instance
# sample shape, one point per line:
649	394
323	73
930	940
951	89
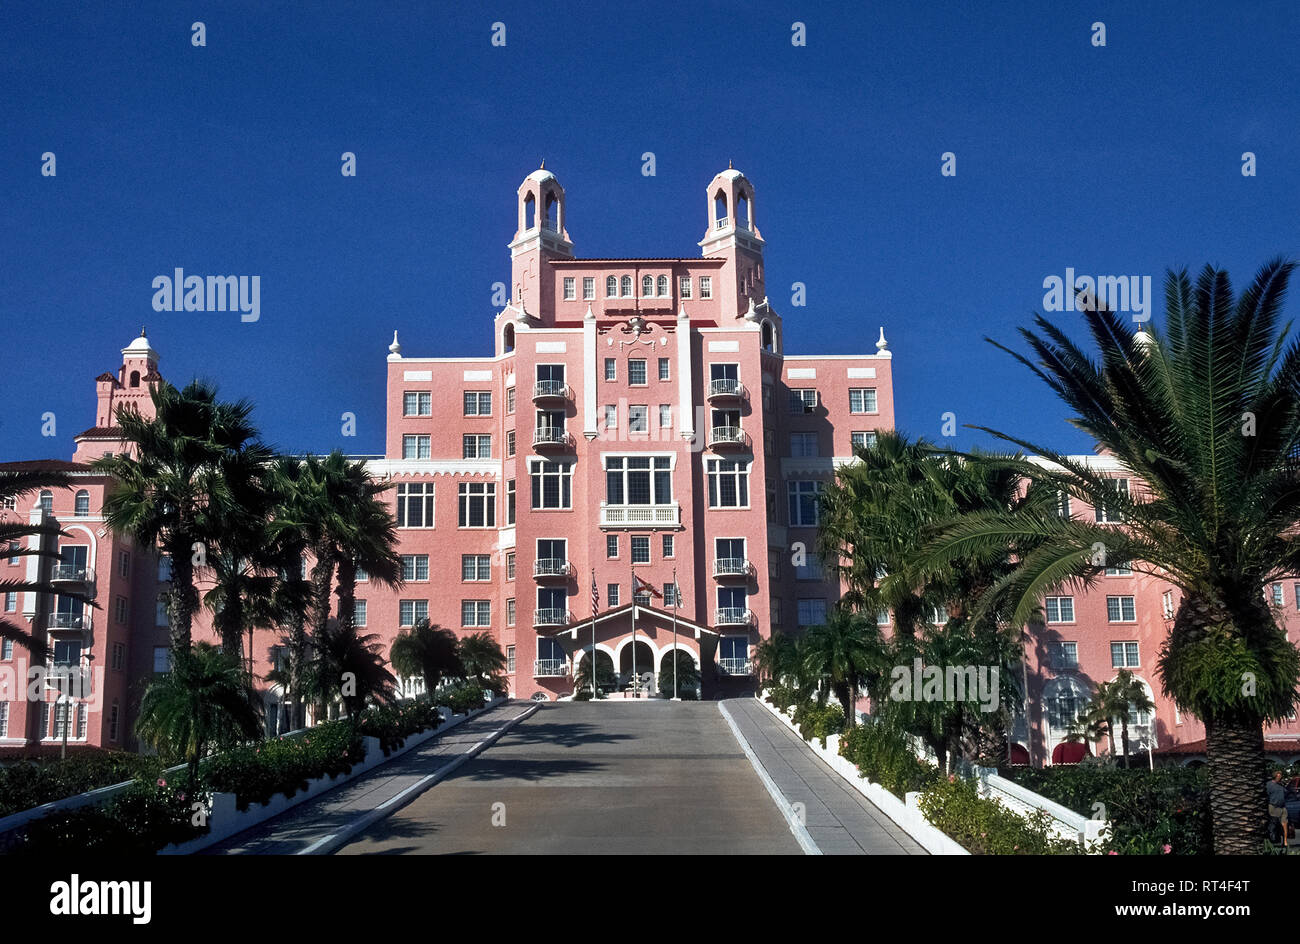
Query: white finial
1143	338
681	312
394	349
590	315
751	314
882	345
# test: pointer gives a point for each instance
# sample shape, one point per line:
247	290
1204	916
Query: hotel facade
634	469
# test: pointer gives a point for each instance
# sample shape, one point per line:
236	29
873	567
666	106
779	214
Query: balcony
728	437
731	567
551	617
735	667
726	389
550	668
78	622
550	437
551	567
69	574
732	616
640	516
551	390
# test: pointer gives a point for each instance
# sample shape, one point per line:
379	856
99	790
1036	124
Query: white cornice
407	468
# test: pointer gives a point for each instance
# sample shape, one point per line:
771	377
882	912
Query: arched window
627	286
530	212
647	286
663	285
720	206
82	506
769	337
742	211
47	501
552	213
508	338
135	378
611	287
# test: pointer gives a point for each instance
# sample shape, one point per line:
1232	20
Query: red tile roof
44	465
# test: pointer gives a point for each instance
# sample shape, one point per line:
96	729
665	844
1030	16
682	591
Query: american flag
595	594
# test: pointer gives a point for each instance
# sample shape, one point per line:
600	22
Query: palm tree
1206	417
845	656
777	659
605	680
1118	698
428	651
13	537
687	675
483	660
172	489
349	666
203	702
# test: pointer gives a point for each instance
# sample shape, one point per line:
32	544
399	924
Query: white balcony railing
551	617
734	667
732	616
550	668
545	389
71	573
550	436
727	436
69	621
726	387
551	567
720	224
644	516
731	567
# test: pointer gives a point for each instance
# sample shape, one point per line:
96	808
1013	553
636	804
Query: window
706	286
640	549
476	505
359	612
774	608
1065	655
415	447
81	505
4	719
638	418
415	505
162	660
123	563
647	286
476	446
1112	516
862	440
417	403
625	286
160	614
14	558
119	609
611	369
476	567
415	567
774	564
588	289
663	369
611	417
811	569
812	612
668	546
636	375
510	618
1060	609
47	501
1120	610
476	612
1063	504
684	286
862	400
510	502
1167	603
570	288
410	612
112	722
510	655
1124	655
552	484
611	594
119	657
478	403
6	649
728	483
672	595
805	503
1278	599
803	400
510	565
611	546
638	480
510	399
1124	570
1063	709
662	283
665	416
11	602
803	444
510	442
45	719
611	287
8	503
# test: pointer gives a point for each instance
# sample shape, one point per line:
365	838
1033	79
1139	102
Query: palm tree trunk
1238	804
184	598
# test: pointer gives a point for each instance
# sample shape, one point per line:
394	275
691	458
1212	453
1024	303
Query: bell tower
733	235
540	236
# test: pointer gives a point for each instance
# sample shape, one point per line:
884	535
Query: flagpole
676	594
593	633
636	687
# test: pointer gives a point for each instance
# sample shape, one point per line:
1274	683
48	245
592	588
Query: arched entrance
687	674
636	667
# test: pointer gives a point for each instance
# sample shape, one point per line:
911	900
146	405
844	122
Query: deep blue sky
225	160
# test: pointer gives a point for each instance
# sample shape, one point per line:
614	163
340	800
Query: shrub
257	772
818	722
139	821
26	784
1147	809
462	698
985	827
883	756
782	696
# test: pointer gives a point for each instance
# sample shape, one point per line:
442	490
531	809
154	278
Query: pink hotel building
635	415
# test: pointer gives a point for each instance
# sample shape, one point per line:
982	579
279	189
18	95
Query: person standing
1276	807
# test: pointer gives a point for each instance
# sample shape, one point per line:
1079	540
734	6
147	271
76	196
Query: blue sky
1123	160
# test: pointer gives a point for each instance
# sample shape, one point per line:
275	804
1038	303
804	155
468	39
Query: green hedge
818	722
1150	811
29	783
883	757
984	827
139	821
461	698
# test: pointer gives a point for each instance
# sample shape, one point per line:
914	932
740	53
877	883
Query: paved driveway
655	777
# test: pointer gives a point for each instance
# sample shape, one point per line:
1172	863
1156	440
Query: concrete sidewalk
322	825
838	819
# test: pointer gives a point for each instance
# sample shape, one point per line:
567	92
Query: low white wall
1066	823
